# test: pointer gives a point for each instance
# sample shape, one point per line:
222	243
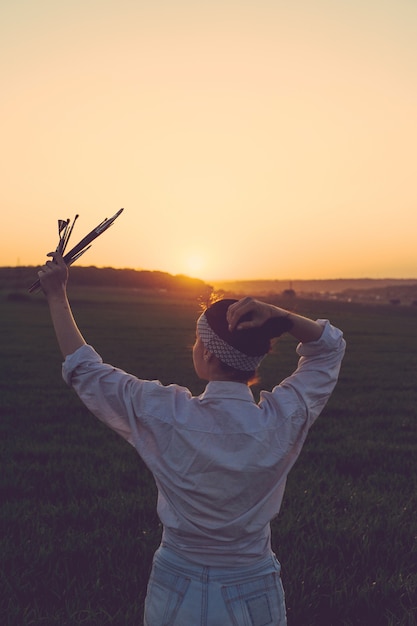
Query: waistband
214	553
171	560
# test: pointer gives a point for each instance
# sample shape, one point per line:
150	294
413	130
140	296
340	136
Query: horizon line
228	280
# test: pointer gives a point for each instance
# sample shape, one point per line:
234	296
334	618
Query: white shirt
220	460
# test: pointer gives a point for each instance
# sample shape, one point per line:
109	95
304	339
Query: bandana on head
224	351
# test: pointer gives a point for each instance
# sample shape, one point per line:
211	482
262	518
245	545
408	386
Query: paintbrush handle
96	232
78	250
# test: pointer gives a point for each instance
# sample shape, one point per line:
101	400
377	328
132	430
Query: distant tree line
23	277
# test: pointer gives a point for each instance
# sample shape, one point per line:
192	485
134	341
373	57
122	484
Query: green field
78	521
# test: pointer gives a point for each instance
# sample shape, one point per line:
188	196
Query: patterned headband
224	351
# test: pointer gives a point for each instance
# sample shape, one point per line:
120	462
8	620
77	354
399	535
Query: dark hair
250	341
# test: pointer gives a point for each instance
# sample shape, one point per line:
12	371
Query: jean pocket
258	602
165	594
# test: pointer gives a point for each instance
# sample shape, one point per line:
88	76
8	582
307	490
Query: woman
220	460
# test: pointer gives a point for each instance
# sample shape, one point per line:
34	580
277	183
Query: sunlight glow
194	265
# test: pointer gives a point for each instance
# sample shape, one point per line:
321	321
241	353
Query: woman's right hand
260	313
302	328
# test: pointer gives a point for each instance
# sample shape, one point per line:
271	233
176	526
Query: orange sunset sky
245	139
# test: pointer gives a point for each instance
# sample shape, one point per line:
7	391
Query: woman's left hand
53	275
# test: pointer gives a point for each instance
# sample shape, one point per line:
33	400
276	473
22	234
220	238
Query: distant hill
23	277
329	286
395	291
388	290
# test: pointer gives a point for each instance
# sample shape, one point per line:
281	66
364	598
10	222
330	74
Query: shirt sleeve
140	411
304	394
106	391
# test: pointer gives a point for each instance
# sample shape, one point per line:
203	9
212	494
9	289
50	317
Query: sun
194	264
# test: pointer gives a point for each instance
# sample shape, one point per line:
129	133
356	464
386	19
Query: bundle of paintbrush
65	230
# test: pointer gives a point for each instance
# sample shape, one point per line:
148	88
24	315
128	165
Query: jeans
181	593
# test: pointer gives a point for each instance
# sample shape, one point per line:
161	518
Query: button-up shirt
220	460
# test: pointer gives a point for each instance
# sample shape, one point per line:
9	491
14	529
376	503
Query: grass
77	518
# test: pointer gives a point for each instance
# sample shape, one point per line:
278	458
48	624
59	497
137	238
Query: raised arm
303	328
53	277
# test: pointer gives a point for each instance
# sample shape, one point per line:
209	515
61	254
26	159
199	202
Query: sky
245	139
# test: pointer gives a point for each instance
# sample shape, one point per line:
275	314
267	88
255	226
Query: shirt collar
221	389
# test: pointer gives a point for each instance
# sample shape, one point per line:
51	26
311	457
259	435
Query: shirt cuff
83	354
